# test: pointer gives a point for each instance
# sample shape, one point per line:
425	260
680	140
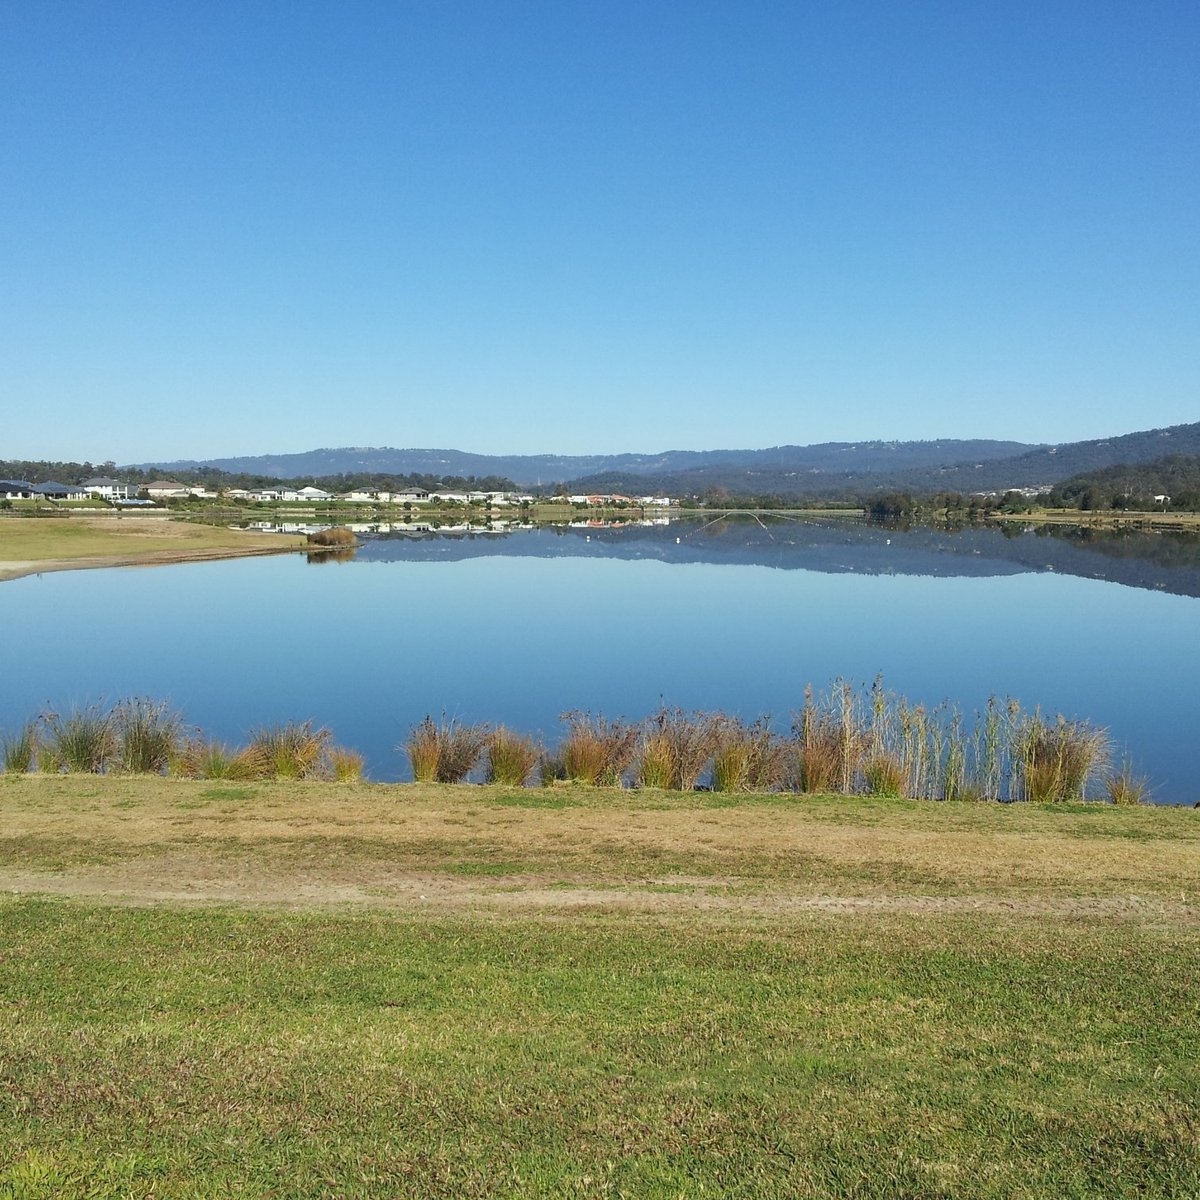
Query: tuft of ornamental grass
1056	760
346	766
511	757
596	751
1124	787
750	758
83	740
149	735
445	752
294	750
675	747
20	749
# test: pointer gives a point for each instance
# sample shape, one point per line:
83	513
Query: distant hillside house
410	496
166	489
15	489
110	489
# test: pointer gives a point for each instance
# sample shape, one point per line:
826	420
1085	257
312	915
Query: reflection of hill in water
1167	562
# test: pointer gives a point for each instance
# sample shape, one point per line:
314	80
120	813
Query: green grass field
65	540
311	990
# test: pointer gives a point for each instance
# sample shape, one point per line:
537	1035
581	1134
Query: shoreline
21	568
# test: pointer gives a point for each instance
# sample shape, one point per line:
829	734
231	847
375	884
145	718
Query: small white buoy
677	541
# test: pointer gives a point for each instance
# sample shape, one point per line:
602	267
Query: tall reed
828	741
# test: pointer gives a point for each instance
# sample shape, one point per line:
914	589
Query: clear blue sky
570	227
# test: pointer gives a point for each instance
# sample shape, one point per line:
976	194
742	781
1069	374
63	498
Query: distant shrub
336	538
597	751
511	757
445	752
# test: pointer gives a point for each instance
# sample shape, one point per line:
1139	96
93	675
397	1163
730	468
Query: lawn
327	990
61	541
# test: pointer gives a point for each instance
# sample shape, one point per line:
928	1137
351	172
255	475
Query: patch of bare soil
174	880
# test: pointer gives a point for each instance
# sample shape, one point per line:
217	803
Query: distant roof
54	489
19	485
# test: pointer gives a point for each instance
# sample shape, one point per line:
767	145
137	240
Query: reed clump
511	757
83	740
597	751
346	766
676	747
751	758
294	750
1125	787
201	758
444	752
149	735
19	750
828	739
1057	759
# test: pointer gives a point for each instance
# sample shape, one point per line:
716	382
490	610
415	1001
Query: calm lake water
519	627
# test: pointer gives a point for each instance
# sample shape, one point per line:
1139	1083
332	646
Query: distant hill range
829	469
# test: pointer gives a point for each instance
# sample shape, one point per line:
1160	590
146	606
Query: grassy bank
373	990
58	543
1107	519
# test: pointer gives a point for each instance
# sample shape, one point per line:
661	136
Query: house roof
54	489
16	485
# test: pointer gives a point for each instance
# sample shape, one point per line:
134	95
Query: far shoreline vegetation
849	741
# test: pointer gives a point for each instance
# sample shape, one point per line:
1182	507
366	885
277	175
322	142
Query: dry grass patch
378	837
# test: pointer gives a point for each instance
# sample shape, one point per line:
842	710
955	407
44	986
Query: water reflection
1160	561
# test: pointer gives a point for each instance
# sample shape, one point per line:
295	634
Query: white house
15	489
110	489
165	489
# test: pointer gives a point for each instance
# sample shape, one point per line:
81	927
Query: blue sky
239	228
